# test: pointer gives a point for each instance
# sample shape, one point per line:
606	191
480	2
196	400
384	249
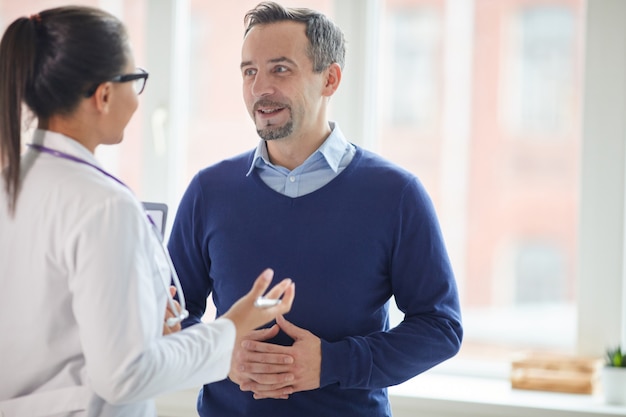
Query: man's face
282	93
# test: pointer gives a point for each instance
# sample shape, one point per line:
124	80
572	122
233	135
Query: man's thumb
289	328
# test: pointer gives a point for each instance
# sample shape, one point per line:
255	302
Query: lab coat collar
60	142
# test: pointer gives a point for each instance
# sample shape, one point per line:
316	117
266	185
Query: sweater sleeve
424	290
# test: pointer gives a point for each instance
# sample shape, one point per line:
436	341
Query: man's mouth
269	110
266	107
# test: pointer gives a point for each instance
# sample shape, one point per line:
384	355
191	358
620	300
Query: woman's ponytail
17	66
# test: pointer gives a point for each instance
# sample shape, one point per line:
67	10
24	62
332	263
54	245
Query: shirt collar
332	150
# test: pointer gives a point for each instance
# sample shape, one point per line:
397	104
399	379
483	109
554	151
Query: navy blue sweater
367	235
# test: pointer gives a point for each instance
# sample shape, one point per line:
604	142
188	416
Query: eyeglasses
138	78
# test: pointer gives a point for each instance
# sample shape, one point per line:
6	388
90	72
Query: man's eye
249	71
280	68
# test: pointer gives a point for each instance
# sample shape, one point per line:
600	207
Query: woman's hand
247	317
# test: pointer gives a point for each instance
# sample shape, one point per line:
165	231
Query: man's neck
292	151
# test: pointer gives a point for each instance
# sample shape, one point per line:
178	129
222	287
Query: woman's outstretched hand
247	317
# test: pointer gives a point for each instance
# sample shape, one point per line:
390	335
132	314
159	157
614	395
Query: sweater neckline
322	190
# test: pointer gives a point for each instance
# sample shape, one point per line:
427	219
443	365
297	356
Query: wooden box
568	374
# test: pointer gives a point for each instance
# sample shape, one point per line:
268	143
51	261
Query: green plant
616	357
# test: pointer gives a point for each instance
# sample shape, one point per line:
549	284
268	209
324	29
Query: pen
263	302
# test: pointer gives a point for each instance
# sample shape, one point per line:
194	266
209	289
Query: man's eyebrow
271	61
282	59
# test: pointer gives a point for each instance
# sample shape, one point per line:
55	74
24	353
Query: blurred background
481	99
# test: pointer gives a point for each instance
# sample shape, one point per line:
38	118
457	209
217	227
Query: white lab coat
83	302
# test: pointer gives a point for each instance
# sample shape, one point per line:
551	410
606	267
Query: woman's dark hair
326	41
49	62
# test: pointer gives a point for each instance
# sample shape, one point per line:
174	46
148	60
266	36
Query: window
506	193
540	71
414	51
540	274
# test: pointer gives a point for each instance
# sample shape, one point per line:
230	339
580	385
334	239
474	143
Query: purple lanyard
73	158
69	157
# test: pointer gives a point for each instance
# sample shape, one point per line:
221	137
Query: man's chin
265	135
275	132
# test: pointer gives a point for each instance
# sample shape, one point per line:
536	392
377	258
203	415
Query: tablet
158	213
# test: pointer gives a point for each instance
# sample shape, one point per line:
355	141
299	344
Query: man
350	228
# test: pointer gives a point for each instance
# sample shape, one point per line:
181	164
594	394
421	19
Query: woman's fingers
285	288
248	317
262	283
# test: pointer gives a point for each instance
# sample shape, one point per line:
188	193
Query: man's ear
102	97
333	78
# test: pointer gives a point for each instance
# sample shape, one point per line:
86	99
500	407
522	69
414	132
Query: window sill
436	395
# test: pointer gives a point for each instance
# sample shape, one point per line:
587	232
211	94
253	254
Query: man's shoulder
238	164
371	163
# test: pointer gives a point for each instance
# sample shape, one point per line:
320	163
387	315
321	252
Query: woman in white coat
83	275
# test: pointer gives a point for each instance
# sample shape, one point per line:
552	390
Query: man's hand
270	376
267	368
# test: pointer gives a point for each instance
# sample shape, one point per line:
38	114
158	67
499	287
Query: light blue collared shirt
319	169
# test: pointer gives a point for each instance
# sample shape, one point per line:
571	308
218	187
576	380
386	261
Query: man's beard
276	132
